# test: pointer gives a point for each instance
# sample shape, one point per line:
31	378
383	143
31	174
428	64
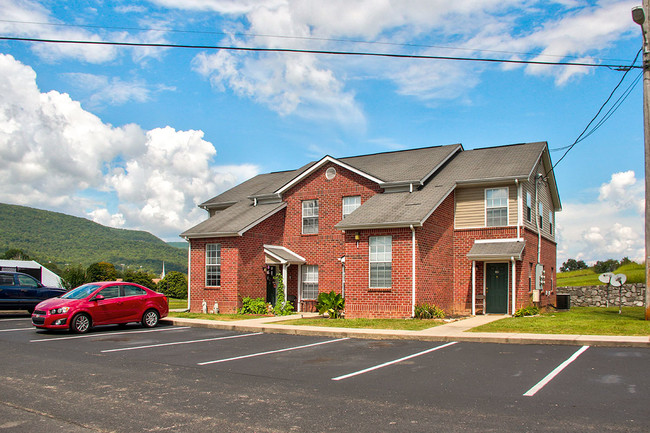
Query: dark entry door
496	287
270	284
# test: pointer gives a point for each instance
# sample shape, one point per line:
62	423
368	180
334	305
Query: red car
102	303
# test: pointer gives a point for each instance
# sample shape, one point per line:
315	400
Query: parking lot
195	379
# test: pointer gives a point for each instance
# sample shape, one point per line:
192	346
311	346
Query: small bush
429	311
331	303
530	310
253	306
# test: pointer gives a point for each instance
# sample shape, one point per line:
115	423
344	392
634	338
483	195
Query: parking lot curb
443	333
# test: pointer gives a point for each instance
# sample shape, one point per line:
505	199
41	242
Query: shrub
530	310
253	306
331	303
282	306
174	285
429	311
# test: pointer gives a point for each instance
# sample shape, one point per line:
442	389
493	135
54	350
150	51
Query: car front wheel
150	318
80	323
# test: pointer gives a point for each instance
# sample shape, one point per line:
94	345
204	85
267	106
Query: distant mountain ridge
65	239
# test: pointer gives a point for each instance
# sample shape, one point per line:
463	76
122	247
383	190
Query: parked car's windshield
81	291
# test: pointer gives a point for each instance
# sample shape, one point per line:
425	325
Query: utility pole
641	16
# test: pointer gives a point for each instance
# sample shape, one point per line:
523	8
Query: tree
609	265
73	276
573	265
101	271
174	285
140	277
15	254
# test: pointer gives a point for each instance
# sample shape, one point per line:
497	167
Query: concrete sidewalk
453	331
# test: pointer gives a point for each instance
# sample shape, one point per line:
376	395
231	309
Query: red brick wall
362	301
463	242
327	247
435	259
242	259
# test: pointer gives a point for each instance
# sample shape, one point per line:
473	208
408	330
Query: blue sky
137	137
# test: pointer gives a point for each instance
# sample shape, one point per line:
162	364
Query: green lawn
588	277
177	303
226	317
578	320
401	324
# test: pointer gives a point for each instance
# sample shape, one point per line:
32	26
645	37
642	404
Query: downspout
514	285
539	231
189	274
412	271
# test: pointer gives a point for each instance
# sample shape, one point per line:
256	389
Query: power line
308	38
326	52
582	135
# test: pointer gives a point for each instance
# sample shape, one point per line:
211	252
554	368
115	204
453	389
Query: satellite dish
606	278
618	280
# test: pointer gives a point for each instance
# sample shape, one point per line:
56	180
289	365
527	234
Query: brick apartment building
472	231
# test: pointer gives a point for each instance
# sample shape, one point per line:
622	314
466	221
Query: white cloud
113	91
612	227
58	156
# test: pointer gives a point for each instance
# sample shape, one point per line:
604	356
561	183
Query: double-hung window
529	207
381	261
309	217
550	222
213	265
350	204
496	207
541	216
309	282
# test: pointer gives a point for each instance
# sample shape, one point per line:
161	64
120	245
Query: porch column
284	281
473	288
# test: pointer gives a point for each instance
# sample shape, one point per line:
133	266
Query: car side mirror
98	298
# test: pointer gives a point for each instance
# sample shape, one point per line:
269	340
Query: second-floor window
309	217
496	207
541	216
550	222
529	207
350	204
213	265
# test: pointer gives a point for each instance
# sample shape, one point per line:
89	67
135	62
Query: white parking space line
531	392
17	318
15	329
180	342
386	364
252	355
104	334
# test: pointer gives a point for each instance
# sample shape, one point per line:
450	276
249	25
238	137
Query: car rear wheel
150	318
80	323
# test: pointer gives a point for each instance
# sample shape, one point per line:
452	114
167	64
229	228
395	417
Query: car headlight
61	310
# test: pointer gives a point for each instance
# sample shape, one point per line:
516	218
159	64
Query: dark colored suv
20	291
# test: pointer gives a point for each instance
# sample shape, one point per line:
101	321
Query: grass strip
578	320
395	324
225	317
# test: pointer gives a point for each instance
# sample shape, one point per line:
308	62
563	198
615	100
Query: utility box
563	302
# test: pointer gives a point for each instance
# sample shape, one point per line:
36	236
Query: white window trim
212	264
302	206
529	205
343	204
304	274
371	262
507	205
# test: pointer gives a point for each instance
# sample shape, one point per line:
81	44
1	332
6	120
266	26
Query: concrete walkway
453	331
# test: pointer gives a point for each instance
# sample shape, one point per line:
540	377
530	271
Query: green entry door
496	286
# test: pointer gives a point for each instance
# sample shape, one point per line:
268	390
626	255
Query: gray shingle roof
496	250
454	166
